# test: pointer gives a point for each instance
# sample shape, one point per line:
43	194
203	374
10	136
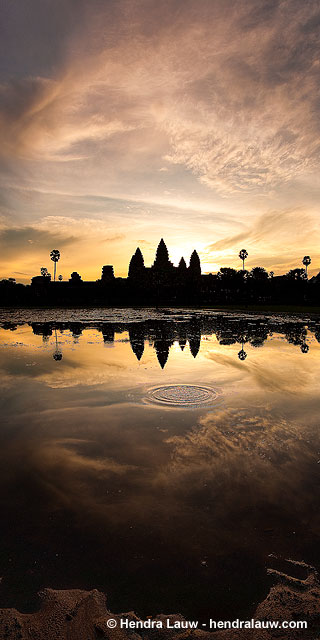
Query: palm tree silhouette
306	261
243	254
55	256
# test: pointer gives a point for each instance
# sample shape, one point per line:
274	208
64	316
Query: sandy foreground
83	615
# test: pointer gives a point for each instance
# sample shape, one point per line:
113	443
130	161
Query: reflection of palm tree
304	348
242	353
243	254
306	261
55	256
57	354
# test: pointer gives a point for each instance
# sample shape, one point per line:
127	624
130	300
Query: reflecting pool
164	461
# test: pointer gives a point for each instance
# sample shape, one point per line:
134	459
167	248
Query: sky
124	121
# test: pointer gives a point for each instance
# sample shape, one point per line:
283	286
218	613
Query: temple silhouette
163	272
164	284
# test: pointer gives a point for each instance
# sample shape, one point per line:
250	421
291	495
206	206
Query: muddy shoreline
84	615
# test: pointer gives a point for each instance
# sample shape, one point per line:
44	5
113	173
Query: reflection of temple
76	330
136	338
107	330
195	338
182	339
162	351
162	334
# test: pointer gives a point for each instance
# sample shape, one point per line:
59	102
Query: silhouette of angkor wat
162	334
165	284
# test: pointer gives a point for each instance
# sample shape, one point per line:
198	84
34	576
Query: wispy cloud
273	225
25	240
230	93
209	103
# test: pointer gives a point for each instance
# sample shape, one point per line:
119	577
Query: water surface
165	505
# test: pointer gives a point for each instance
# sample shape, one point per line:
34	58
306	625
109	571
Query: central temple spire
162	256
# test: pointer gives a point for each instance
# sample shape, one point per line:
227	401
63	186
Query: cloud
114	238
199	106
230	93
276	226
28	240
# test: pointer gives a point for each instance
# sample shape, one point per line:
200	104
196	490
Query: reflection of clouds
230	433
77	444
73	375
109	470
244	456
65	470
268	377
90	366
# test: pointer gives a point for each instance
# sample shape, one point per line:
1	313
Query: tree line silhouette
163	334
165	284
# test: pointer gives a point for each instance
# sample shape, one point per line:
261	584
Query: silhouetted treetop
75	277
306	261
228	272
55	256
243	254
44	272
296	274
259	273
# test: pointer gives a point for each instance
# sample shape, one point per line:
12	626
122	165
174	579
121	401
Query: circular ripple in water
182	395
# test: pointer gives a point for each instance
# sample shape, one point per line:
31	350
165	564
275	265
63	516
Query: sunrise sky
123	121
